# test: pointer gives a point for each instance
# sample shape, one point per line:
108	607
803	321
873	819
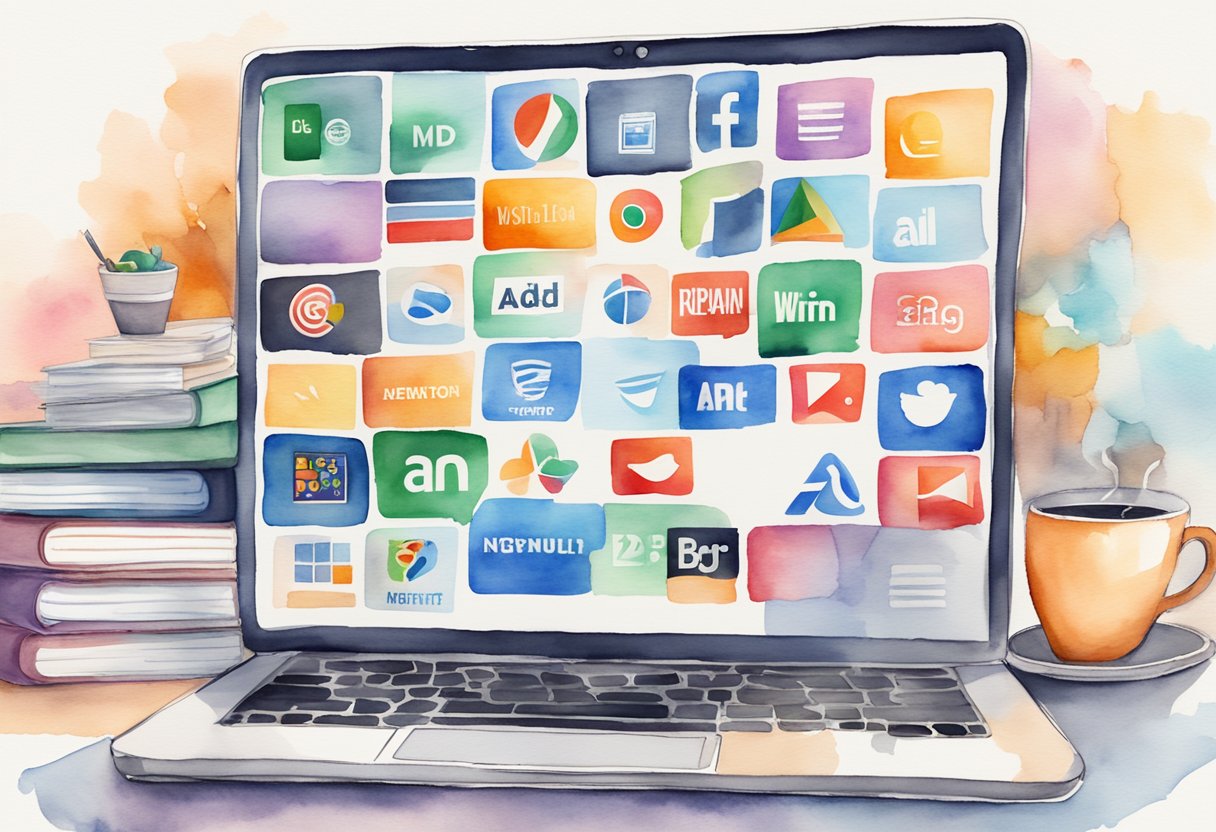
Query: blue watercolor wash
278	475
737	225
1106	296
932	409
933	224
633	383
533	547
727	103
531	381
727	397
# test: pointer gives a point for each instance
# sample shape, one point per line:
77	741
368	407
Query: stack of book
153	400
117	547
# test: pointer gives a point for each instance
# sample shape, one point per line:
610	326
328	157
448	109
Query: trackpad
557	749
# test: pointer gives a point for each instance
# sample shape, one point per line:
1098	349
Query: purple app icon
824	119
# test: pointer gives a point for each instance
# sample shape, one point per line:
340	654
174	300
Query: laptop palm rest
551	749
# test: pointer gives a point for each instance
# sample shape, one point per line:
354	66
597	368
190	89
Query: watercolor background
126	123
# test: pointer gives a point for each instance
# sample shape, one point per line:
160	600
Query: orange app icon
826	393
652	466
539	213
709	303
310	396
433	391
929	492
939	135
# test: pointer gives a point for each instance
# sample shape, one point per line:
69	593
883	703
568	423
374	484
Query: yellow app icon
310	396
944	134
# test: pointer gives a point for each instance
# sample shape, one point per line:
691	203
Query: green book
207	405
26	446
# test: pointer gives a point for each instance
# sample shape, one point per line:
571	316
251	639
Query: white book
143	655
183	342
141	544
100	378
139	602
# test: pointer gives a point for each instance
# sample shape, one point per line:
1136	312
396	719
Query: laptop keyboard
380	692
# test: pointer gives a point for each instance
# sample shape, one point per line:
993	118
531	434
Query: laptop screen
664	346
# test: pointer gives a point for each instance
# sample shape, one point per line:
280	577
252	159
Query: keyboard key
931	697
910	730
703	711
475	707
629	696
801	725
715	680
336	719
577	724
763	696
928	683
746	726
370	706
950	729
626	710
416	706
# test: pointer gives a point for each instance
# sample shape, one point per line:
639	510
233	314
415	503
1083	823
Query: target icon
313	310
635	215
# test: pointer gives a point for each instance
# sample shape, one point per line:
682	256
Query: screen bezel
798	48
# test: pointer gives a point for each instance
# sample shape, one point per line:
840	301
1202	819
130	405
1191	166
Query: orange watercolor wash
939	135
435	391
310	396
539	213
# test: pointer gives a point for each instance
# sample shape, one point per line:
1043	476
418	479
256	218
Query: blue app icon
932	409
727	397
638	125
633	383
829	489
726	109
314	480
531	381
533	547
933	224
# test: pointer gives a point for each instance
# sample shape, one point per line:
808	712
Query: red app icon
709	303
660	465
827	393
929	492
941	310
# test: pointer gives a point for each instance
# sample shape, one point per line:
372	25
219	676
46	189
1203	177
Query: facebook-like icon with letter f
726	110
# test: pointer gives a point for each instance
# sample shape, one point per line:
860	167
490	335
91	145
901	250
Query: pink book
103	546
29	658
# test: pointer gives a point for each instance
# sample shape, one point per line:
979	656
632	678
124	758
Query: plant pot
140	301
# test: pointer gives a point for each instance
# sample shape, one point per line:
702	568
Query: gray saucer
1166	649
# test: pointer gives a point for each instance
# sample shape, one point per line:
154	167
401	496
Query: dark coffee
1105	511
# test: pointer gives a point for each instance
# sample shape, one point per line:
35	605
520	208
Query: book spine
20	591
21	540
17	657
216	403
205	447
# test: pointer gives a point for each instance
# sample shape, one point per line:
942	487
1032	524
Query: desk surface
1139	739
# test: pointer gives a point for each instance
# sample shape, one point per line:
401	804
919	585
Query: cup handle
1207	537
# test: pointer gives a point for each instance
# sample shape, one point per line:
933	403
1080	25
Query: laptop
631	414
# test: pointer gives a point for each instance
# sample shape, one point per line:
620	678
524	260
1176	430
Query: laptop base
1025	758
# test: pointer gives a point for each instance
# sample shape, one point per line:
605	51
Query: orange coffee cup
1099	563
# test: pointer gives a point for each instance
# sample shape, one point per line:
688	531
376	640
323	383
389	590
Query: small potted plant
139	287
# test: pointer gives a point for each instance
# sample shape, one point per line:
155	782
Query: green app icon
634	558
439	121
808	307
429	473
301	132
